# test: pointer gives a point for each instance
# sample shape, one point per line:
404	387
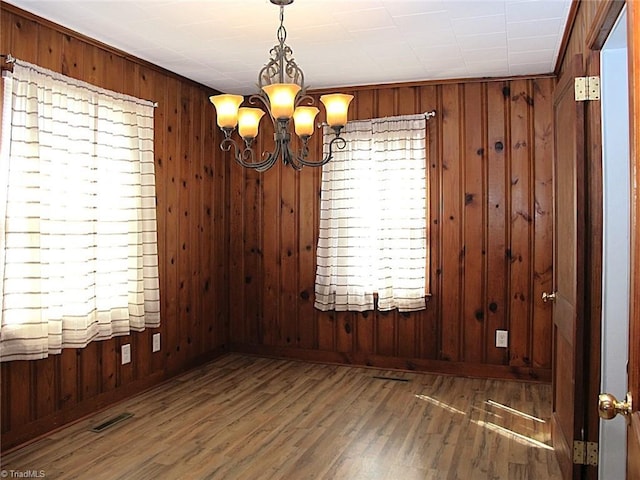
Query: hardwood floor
243	417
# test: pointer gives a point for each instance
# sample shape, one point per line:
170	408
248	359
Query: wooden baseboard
474	370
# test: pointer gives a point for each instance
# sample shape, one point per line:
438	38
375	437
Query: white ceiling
224	43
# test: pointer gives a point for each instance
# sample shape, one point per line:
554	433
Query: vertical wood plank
452	252
309	208
172	219
49	49
344	331
406	336
364	322
21	391
238	277
271	300
210	240
5	395
543	221
185	224
46	389
222	231
110	363
24	34
385	333
326	331
197	238
68	373
521	223
474	223
90	372
288	251
497	305
252	235
72	52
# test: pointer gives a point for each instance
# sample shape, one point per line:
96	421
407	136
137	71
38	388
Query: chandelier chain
282	32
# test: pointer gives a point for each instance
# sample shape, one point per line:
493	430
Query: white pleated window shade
78	231
373	218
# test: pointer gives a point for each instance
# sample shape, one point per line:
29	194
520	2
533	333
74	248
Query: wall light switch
126	353
156	342
502	338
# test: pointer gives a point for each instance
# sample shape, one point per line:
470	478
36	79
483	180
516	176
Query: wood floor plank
244	417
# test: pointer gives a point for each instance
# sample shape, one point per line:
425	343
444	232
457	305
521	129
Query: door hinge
585	453
587	88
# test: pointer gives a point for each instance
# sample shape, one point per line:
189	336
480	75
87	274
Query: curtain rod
427	116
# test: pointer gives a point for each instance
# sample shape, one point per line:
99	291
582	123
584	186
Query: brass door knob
548	297
609	406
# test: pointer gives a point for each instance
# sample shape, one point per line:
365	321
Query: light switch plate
156	342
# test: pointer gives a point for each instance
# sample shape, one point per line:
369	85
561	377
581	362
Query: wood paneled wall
490	181
37	396
237	248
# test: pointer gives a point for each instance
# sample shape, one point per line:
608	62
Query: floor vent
111	422
395	379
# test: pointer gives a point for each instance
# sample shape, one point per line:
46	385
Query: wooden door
568	266
633	433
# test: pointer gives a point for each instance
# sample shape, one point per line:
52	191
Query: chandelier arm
261	166
304	97
339	142
292	159
244	156
263	102
270	159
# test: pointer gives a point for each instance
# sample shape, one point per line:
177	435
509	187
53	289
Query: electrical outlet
502	338
156	342
126	353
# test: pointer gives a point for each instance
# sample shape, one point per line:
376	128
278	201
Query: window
77	209
373	226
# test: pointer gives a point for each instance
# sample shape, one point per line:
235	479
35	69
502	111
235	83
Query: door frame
596	33
604	20
616	252
633	45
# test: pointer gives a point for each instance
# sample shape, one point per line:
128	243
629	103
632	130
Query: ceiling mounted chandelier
283	93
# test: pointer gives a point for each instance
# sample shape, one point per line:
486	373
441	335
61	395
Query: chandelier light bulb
282	97
303	118
248	122
227	109
337	107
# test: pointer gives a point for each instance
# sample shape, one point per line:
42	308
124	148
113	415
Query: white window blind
78	220
373	225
